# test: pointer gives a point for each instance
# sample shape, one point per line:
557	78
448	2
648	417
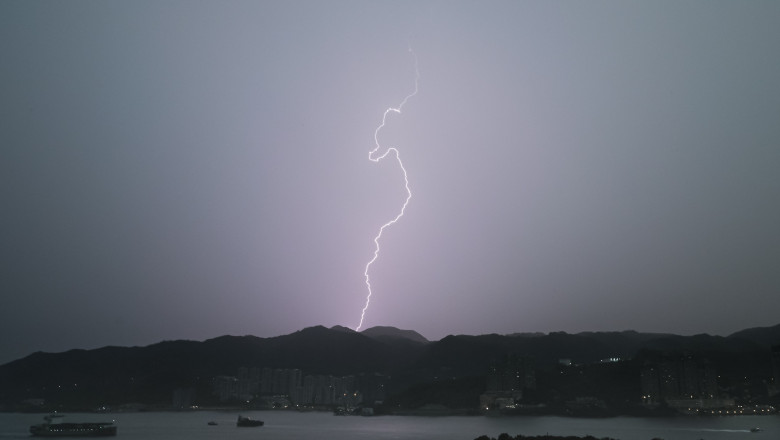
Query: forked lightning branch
375	157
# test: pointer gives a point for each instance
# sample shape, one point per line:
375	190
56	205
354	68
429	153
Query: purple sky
185	170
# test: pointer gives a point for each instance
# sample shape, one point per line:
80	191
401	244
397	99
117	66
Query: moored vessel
87	429
247	422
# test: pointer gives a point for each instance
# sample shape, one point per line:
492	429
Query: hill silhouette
115	375
392	333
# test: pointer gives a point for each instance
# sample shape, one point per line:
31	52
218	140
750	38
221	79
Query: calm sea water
285	425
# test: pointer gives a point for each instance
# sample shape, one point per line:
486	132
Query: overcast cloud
185	170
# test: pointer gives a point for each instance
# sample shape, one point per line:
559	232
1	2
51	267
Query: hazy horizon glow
184	170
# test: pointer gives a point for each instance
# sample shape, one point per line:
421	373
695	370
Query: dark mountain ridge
760	335
149	374
388	334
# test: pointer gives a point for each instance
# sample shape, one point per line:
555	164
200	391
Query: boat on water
755	429
87	429
247	422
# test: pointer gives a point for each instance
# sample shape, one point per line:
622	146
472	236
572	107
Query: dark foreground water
319	425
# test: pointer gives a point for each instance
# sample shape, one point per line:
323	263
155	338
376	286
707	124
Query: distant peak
388	332
341	328
312	329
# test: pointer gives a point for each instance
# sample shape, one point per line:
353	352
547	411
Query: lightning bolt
372	157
